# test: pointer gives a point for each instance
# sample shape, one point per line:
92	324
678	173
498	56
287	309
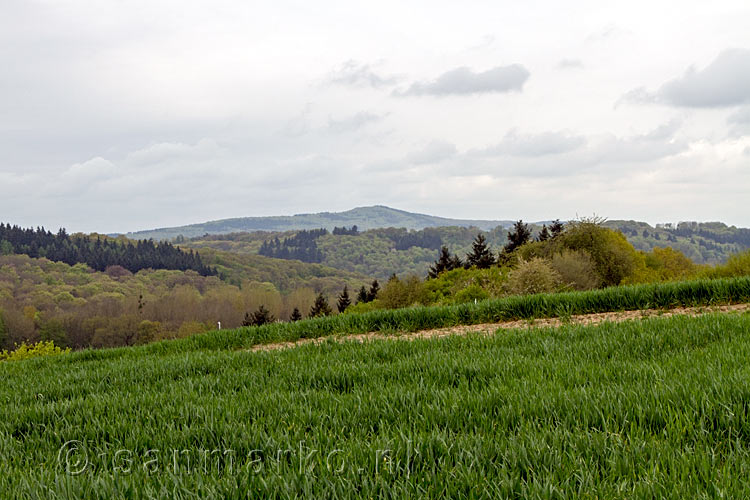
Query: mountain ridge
369	217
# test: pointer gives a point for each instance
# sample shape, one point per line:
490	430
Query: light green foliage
448	288
669	264
39	349
402	293
737	265
576	269
5	247
54	331
648	409
703	243
148	331
614	258
533	276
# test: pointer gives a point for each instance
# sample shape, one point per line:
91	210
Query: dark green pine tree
320	307
344	300
480	255
374	289
445	262
296	315
556	228
259	317
518	236
543	234
362	295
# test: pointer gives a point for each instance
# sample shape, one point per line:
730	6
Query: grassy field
654	409
635	297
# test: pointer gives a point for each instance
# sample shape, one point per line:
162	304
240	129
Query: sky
120	116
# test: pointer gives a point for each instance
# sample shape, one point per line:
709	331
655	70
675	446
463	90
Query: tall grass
650	409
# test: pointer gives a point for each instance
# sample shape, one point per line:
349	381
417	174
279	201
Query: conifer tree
556	228
320	307
362	295
445	262
480	255
259	317
543	234
374	289
518	236
296	315
344	300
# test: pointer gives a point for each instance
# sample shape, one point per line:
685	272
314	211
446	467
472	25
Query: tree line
301	246
481	257
98	253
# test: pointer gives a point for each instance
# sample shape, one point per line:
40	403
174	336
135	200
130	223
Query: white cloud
353	122
434	152
531	145
354	74
464	81
725	82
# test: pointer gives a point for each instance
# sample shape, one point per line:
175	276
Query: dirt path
489	328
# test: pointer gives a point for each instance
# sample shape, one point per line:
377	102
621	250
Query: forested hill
382	252
98	253
701	242
363	217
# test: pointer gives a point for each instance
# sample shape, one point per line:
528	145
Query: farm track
490	328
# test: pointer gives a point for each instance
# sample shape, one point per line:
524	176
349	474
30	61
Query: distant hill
701	242
363	217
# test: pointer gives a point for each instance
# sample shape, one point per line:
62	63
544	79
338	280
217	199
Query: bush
737	265
670	264
26	351
533	276
615	259
402	293
577	269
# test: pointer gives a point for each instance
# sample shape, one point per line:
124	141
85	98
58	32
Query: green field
634	297
654	408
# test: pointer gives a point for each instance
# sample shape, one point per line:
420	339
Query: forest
79	305
98	253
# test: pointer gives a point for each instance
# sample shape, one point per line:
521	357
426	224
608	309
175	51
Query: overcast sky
118	116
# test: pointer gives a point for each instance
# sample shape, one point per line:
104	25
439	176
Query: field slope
649	408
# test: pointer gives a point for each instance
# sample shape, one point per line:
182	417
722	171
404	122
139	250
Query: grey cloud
532	145
353	122
724	82
353	74
434	152
464	81
570	64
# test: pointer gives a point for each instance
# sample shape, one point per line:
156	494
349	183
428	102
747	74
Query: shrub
470	294
670	264
402	293
614	258
736	265
26	351
533	276
577	269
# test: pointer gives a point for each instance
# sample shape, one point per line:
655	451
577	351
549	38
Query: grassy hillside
652	408
363	217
